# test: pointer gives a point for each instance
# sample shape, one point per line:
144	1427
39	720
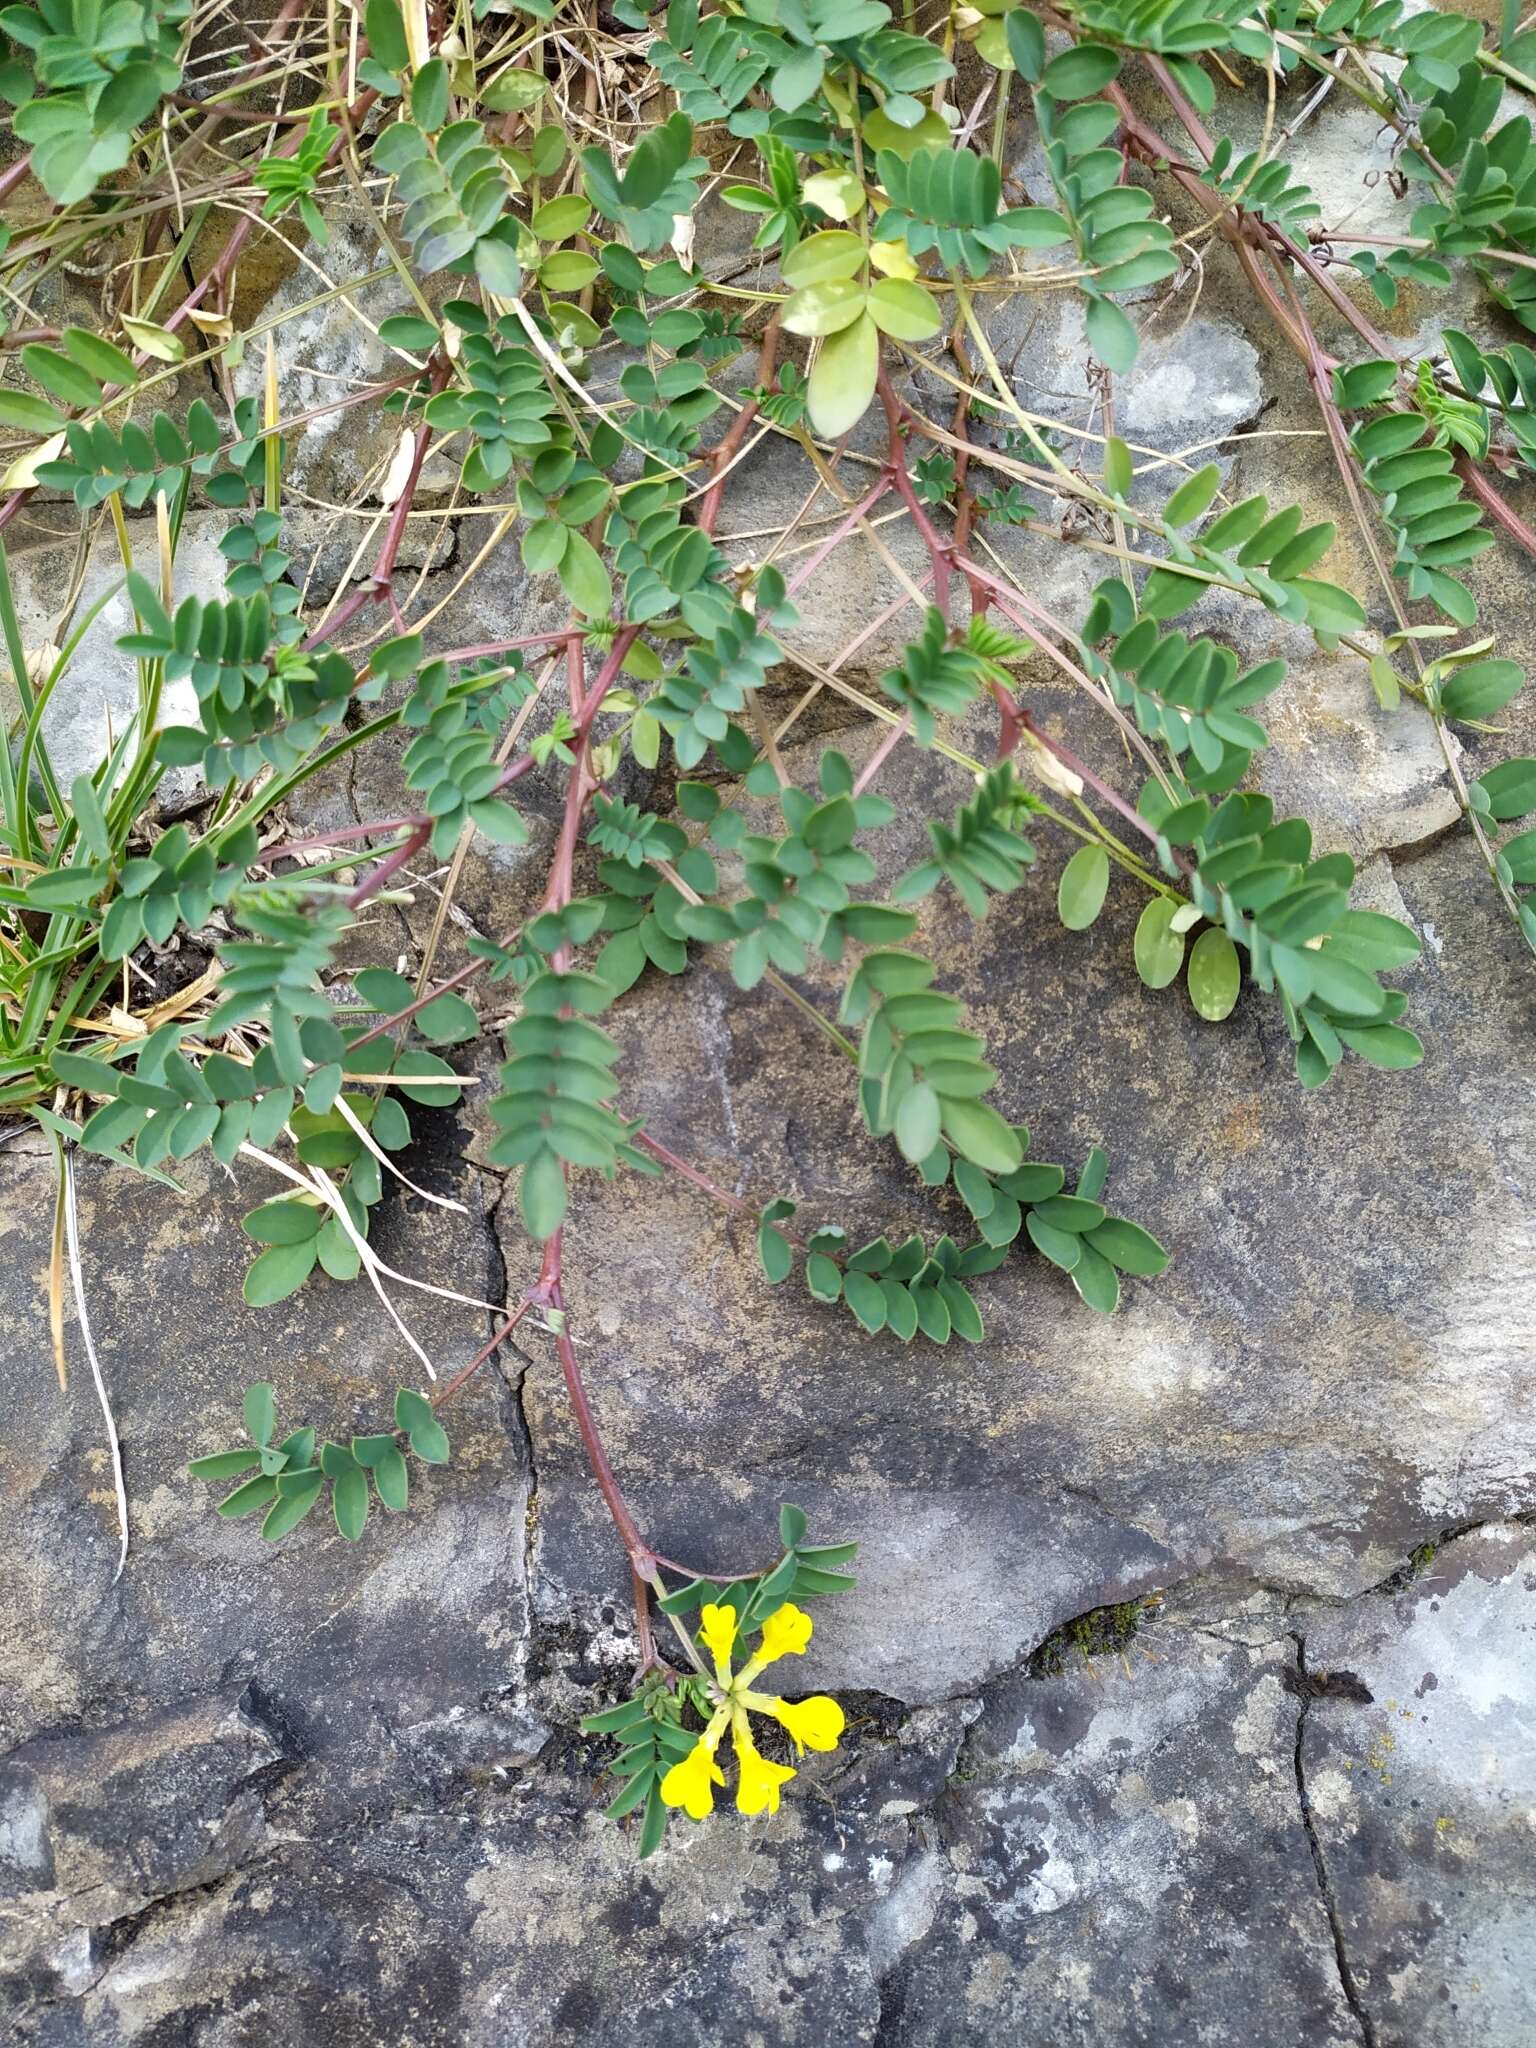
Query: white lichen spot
1331	1793
1253	1732
902	1920
1183	1816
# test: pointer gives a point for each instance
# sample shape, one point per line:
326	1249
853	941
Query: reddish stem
342	832
402	856
1100	788
485	647
216	278
939	549
402	1016
449	1388
840	533
380	584
724	451
701	1181
1496	506
642	1558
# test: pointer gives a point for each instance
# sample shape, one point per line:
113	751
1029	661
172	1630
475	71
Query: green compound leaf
1193	496
350	1502
842	381
260	1412
775	1253
414	1414
256	1493
1128	1246
1215	975
1481	688
297	1493
1112	335
223	1464
917	1122
541	1196
281	1270
1081	891
1096	1281
822	1277
981	1134
866	1298
391	1475
1078	72
1159	949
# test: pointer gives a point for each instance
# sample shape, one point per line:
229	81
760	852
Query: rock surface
1420	1803
1190	1678
339	1793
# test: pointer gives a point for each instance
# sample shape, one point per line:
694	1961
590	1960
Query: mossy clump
1101	1632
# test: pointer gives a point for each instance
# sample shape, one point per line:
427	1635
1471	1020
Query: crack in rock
1347	1981
516	1385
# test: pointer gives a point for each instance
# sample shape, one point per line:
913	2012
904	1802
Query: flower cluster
812	1724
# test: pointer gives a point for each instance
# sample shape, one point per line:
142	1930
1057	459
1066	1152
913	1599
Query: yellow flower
813	1724
785	1633
759	1780
688	1783
717	1632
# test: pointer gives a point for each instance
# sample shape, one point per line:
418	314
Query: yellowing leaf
418	40
22	474
903	310
823	258
1384	681
158	342
891	259
842	382
838	194
991	44
567	270
514	92
824	308
399	469
881	132
643	662
1080	893
1158	948
1215	975
558	218
645	739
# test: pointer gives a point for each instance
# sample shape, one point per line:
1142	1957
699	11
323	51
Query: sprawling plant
555	341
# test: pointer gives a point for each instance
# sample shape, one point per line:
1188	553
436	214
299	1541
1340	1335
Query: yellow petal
785	1633
688	1783
757	1789
815	1723
717	1632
